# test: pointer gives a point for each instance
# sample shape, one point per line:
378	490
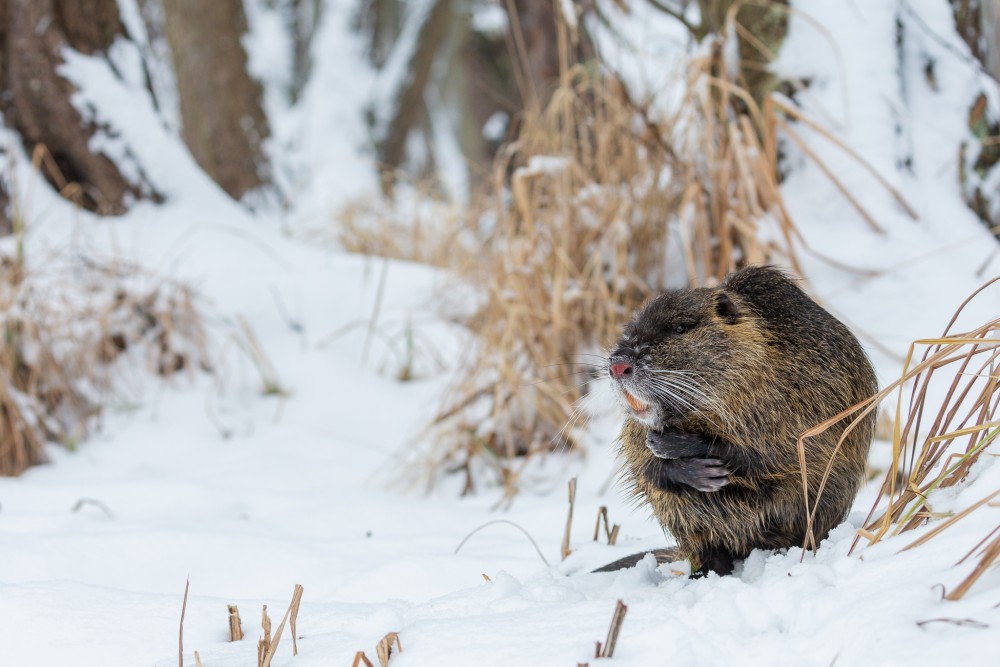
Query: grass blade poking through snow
608	649
264	644
989	556
611	532
180	633
247	341
566	550
235	625
384	648
268	646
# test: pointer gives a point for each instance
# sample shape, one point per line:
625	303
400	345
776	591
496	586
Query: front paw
706	475
676	444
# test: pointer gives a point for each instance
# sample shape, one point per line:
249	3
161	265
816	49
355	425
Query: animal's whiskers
686	389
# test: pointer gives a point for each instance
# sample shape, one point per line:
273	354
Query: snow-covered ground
207	480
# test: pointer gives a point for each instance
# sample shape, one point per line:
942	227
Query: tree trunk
767	22
991	35
408	105
382	21
91	26
6	211
536	48
969	24
305	17
36	100
223	123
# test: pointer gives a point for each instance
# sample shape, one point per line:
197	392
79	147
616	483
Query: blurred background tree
222	119
36	100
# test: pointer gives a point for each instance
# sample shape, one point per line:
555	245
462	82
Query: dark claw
706	475
675	444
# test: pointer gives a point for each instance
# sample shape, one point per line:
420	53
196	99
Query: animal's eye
680	328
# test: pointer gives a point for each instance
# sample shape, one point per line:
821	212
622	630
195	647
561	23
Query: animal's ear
726	309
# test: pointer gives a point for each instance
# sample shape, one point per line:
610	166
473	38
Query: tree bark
408	106
223	123
382	21
6	212
36	100
536	48
991	34
305	17
91	26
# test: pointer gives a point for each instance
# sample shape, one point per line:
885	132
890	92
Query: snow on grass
248	495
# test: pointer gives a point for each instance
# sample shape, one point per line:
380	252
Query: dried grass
65	321
607	650
246	340
524	532
384	648
63	327
235	624
566	550
610	532
267	646
415	225
935	446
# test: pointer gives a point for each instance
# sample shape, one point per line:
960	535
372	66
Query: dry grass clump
414	226
267	646
599	204
63	327
935	446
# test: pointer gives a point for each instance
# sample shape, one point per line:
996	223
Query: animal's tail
662	556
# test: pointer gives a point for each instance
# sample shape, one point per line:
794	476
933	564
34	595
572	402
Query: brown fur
771	363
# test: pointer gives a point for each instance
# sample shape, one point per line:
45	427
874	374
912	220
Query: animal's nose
620	369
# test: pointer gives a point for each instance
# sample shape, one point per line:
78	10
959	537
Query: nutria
718	384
